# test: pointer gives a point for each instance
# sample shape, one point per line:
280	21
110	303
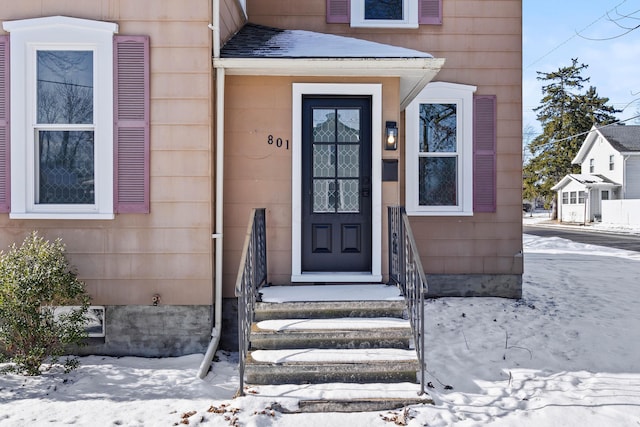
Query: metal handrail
252	274
405	269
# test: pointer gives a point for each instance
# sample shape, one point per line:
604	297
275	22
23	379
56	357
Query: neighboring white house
609	183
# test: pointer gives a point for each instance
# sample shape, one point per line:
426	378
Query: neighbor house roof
267	51
623	138
589	181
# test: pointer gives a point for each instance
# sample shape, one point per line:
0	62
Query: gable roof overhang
623	139
588	181
586	146
265	51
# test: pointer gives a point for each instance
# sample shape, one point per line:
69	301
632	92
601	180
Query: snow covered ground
567	354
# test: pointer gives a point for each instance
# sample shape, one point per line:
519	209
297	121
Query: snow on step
333	355
347	323
319	293
342	391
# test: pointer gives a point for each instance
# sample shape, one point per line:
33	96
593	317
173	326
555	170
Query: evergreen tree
566	113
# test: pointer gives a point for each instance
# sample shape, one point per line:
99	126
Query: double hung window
385	13
439	155
72	154
64	131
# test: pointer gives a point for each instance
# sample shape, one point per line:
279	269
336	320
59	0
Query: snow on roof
257	41
587	180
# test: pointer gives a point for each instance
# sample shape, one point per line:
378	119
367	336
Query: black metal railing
405	270
252	275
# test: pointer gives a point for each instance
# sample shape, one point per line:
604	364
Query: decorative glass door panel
336	184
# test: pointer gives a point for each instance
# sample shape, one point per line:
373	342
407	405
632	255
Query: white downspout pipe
217	235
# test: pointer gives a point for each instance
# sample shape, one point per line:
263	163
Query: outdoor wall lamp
392	136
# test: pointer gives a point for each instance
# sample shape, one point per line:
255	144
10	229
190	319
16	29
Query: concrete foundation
475	285
153	331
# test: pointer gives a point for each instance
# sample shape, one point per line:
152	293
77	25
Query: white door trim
375	91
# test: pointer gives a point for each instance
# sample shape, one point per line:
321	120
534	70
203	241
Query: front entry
336	184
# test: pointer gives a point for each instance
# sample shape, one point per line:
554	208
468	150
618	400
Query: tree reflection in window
65	129
383	9
438	151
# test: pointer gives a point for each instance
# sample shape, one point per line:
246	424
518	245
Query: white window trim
441	93
59	33
375	91
410	7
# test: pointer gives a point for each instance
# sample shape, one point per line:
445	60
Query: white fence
623	211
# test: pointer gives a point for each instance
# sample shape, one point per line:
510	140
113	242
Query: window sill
382	24
60	215
412	212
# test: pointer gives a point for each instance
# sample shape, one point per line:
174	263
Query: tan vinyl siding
259	175
231	18
169	251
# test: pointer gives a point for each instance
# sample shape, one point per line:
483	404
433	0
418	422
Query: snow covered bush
35	278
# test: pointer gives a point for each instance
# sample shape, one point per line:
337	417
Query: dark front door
336	184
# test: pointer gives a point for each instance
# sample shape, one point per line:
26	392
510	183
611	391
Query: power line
65	83
585	133
574	35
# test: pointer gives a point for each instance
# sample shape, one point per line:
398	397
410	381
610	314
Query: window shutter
5	141
131	124
430	11
484	153
338	11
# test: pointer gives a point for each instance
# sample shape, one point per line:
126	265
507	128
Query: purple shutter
5	141
484	153
430	11
131	124
338	11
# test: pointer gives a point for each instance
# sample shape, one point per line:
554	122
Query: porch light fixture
392	136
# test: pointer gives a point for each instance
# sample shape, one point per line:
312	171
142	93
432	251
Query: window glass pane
65	86
348	125
438	183
565	197
324	160
383	9
324	125
349	195
324	195
65	167
348	161
581	196
605	195
573	197
438	126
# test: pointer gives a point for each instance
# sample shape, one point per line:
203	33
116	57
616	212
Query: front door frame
338	89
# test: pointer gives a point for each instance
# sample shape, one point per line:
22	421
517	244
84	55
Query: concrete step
328	309
300	366
341	333
339	397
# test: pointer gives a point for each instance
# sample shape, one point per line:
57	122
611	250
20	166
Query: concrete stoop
361	405
353	342
339	397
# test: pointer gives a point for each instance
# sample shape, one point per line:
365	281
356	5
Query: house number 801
278	142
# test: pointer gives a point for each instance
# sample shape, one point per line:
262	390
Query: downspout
217	235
